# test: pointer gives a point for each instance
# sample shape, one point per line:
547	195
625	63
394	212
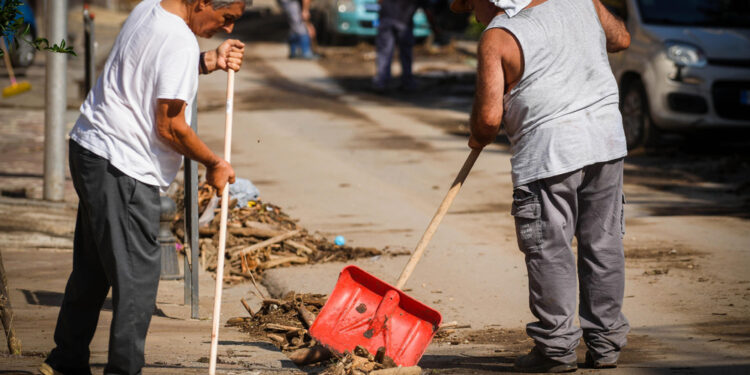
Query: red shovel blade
365	311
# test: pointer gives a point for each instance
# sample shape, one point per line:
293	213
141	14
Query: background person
301	30
396	28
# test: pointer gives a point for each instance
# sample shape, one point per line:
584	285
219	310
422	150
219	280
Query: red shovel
365	311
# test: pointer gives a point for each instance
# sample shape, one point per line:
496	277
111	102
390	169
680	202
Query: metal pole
88	32
55	103
191	224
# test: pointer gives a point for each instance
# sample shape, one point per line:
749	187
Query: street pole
191	224
88	37
55	104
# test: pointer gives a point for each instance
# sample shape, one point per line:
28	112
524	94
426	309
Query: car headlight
344	6
685	54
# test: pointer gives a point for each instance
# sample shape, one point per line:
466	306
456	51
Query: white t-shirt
154	57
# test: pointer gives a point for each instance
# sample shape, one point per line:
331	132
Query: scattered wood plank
277	262
277	338
266	243
306	356
307	317
283	328
247	307
300	247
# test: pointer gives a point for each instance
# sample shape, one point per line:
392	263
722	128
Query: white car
687	68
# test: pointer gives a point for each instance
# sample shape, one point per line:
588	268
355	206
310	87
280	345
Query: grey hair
225	3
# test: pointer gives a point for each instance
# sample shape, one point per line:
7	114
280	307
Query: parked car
336	20
22	53
687	68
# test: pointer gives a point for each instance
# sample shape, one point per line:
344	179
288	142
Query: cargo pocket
527	212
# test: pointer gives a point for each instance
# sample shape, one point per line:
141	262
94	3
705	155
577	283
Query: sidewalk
36	240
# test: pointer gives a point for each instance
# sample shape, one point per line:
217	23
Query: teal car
336	20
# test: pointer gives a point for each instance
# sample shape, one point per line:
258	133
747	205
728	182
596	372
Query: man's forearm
184	140
482	131
209	62
172	128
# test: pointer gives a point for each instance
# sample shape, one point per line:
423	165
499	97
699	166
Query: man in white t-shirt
127	144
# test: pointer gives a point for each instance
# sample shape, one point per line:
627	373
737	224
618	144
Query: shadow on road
55	299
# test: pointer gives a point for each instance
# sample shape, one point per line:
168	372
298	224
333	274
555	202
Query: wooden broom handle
6	56
222	228
441	211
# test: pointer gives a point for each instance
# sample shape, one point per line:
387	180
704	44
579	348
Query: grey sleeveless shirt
563	114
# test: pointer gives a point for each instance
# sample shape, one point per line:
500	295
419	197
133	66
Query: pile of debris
260	236
285	323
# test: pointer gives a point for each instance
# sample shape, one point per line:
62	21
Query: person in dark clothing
395	28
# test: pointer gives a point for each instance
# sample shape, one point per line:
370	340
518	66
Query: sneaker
46	369
600	363
535	361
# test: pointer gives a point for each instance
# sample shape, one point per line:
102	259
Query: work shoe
535	361
600	363
46	369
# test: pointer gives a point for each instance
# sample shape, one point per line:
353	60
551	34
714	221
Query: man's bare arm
487	112
172	128
618	37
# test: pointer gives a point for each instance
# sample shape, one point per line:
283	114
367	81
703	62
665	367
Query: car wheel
636	117
320	22
22	55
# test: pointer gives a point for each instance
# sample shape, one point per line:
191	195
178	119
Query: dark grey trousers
115	246
390	34
587	204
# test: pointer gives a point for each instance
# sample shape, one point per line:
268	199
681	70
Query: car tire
22	54
636	116
320	21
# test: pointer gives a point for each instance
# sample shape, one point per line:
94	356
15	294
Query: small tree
11	22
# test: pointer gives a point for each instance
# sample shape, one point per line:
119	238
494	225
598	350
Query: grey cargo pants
115	245
587	204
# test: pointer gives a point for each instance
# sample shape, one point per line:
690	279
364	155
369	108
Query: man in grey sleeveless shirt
543	72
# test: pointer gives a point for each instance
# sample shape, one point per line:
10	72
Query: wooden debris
279	261
413	370
306	356
300	247
265	243
276	338
260	237
305	315
283	328
247	307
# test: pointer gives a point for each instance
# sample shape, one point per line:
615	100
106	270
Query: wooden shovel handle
222	228
441	211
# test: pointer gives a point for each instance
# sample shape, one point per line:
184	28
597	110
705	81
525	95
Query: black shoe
535	361
378	89
600	363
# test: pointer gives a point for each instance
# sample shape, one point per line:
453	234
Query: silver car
687	68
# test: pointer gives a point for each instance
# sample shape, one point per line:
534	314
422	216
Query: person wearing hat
128	144
543	73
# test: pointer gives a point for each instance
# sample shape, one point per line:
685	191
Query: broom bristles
16	88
